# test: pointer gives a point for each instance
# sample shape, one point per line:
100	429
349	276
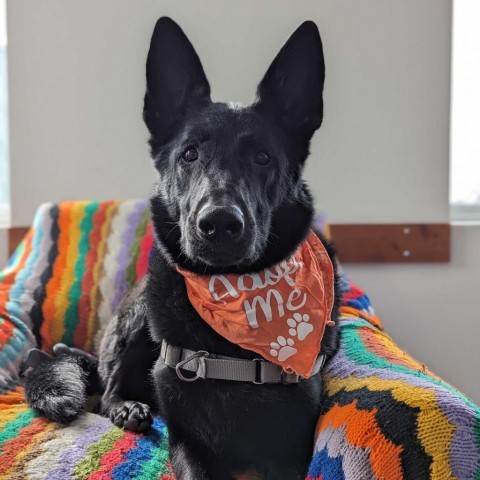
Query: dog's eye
262	158
190	154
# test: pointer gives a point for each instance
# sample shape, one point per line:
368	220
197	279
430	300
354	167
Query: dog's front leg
286	472
189	463
128	414
186	465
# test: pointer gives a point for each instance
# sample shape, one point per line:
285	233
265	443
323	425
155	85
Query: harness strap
207	365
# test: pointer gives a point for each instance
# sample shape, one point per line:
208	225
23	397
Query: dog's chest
236	417
171	317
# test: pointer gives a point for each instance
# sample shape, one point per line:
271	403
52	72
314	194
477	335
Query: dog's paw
55	388
133	416
87	360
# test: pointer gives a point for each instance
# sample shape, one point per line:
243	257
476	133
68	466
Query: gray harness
208	365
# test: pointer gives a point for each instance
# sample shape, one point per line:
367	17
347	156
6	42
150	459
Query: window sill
4	215
465	215
465	223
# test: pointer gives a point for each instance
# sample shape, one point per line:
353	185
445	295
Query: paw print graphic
299	326
283	348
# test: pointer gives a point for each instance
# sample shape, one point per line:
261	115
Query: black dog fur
239	171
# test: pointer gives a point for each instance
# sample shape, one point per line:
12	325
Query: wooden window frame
366	243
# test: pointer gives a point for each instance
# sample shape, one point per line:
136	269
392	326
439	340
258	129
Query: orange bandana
279	313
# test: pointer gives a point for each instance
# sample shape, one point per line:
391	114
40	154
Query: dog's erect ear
175	78
293	85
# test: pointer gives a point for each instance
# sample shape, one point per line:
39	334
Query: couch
385	415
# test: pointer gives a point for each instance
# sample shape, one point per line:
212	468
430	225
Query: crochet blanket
386	416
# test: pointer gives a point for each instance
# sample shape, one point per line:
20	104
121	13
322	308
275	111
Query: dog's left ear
291	90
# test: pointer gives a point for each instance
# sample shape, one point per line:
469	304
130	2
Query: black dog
230	199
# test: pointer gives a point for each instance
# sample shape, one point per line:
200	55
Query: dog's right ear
176	81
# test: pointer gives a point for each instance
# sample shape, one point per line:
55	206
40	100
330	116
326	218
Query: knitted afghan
386	416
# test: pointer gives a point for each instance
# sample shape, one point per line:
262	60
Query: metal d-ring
201	370
258	371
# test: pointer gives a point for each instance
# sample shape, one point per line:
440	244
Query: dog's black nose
220	224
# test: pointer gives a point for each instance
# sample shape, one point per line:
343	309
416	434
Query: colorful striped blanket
386	415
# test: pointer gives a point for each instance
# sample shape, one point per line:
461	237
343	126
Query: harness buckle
201	369
258	371
289	378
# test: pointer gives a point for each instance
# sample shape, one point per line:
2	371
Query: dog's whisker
168	234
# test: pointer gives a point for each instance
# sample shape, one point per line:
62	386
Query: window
4	176
465	129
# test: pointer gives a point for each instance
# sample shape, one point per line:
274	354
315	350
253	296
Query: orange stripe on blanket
362	431
114	457
19	444
353	312
63	299
6	330
7	283
53	286
13	397
381	345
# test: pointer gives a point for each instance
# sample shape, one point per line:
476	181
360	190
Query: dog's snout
220	224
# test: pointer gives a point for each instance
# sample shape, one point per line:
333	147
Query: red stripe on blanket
14	446
114	457
145	249
6	328
13	397
168	476
85	304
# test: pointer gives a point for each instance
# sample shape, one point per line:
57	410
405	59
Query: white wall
432	310
76	88
3	247
77	82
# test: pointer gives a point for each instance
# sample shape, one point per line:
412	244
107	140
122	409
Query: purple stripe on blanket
124	255
77	451
453	407
464	452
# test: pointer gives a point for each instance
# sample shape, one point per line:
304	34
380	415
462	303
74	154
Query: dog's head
231	197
